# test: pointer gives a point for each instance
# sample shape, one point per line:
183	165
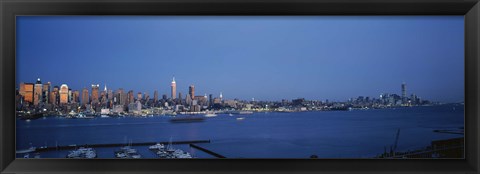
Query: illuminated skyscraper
191	91
28	93
55	95
85	97
174	88
221	96
37	93
63	94
95	98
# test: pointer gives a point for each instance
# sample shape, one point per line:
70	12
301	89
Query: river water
327	134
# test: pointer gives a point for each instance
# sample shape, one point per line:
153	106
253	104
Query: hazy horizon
266	58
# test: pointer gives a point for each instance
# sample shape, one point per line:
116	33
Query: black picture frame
10	8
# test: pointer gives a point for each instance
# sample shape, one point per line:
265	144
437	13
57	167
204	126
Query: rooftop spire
173	81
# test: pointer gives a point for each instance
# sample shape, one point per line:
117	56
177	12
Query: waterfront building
46	92
210	100
191	91
28	93
139	96
95	98
188	100
53	96
21	90
130	98
37	94
85	97
63	94
174	88
201	100
155	96
404	93
76	96
110	95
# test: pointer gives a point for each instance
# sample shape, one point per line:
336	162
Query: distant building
28	93
38	93
85	97
155	96
76	96
95	98
54	96
191	91
139	96
404	92
174	88
63	94
46	92
130	97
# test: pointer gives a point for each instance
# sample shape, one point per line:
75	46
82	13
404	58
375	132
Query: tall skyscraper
191	91
404	92
85	97
130	97
174	88
37	93
210	100
28	93
46	91
63	94
75	96
139	96
55	95
221	96
95	98
155	96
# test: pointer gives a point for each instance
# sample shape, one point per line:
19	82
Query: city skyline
270	71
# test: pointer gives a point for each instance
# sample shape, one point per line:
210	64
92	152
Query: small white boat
157	146
210	115
230	114
240	118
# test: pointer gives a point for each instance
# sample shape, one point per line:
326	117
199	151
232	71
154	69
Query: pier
207	151
74	146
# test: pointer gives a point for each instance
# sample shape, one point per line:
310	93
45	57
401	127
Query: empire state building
174	89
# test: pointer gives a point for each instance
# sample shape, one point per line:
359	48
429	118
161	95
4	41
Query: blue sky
268	58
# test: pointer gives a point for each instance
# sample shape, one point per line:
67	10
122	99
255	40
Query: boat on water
170	152
127	152
240	118
82	152
210	115
187	119
31	149
230	114
157	146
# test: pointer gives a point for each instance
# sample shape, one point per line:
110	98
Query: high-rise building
221	96
21	90
46	91
155	96
76	96
85	97
130	98
174	88
28	93
63	94
210	100
95	98
37	93
139	96
191	91
404	92
55	95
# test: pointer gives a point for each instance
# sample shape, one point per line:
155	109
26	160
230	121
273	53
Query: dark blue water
327	134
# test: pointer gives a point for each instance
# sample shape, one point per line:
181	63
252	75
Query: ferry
210	115
187	119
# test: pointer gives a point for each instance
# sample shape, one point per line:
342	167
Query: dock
71	147
207	151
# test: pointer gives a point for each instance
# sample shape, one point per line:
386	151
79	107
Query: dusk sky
266	58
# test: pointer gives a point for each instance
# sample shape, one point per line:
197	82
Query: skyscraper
28	93
63	94
139	96
38	93
75	96
191	91
85	99
155	96
404	92
130	97
95	93
174	88
46	91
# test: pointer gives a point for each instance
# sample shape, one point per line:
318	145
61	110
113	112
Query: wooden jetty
207	151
